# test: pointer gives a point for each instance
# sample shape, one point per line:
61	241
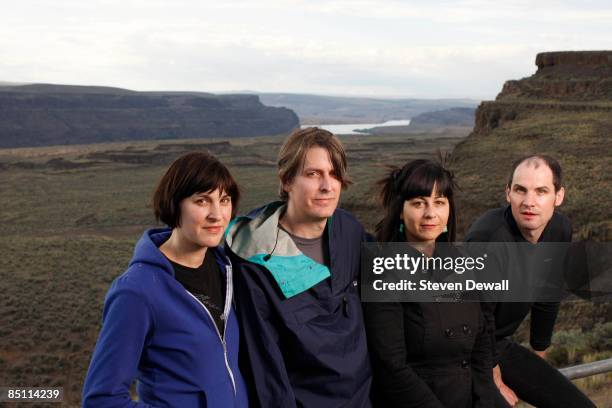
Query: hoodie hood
147	251
256	237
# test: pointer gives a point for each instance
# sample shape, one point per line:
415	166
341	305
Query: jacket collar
257	238
147	251
547	234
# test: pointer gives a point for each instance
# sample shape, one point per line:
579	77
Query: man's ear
286	186
508	193
559	196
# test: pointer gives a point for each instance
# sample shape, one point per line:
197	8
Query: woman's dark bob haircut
196	172
416	179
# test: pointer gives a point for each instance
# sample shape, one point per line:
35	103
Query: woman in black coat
426	355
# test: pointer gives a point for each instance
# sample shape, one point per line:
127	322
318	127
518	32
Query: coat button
465	364
466	329
449	333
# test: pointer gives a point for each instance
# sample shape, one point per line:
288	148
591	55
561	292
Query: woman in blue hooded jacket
168	320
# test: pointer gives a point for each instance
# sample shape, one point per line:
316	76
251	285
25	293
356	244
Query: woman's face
425	217
204	218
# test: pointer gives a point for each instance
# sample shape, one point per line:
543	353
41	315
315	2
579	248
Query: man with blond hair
297	263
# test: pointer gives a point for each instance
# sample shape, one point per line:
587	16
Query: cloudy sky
380	48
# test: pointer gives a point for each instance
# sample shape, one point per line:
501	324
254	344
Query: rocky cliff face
42	115
567	76
565	110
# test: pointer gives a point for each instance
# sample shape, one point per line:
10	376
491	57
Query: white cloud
455	48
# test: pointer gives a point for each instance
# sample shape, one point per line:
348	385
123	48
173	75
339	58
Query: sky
374	48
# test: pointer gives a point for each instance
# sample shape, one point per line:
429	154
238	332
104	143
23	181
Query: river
351	129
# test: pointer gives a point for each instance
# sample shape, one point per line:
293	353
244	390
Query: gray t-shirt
314	248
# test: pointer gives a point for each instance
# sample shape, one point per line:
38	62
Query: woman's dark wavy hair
195	172
417	178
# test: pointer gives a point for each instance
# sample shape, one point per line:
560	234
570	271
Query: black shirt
498	225
206	283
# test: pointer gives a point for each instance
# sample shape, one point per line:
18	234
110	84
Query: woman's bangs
422	181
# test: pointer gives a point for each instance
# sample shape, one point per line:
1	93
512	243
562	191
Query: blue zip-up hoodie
157	332
302	322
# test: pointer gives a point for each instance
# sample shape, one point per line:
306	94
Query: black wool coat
429	355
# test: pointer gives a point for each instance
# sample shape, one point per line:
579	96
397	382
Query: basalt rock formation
564	110
43	115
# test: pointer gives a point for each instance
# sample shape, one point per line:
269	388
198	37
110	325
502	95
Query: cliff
564	110
42	115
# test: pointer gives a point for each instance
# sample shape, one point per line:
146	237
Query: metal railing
588	369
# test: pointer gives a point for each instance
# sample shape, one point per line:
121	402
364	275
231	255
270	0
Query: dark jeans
535	381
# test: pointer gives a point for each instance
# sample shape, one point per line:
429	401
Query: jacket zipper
226	311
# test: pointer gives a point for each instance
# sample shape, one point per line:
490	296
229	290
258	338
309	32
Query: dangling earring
445	229
401	228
